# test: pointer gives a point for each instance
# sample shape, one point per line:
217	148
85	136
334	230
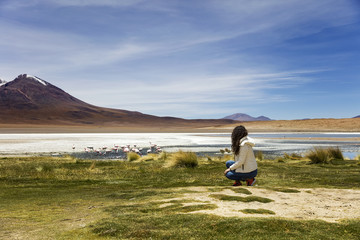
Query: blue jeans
237	175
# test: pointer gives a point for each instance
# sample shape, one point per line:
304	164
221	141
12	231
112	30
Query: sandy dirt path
329	205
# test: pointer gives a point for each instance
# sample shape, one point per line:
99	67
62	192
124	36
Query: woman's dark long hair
238	133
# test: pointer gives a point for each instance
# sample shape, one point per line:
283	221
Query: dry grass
184	159
324	155
131	156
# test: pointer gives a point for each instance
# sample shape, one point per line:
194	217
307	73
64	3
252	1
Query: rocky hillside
32	100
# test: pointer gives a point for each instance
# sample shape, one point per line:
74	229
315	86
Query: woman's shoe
237	183
250	182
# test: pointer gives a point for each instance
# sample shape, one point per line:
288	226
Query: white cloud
189	95
182	60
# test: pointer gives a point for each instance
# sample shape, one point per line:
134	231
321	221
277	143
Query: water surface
202	143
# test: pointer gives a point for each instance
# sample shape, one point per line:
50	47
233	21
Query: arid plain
308	125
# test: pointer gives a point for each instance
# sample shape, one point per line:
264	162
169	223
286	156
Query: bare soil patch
330	205
308	125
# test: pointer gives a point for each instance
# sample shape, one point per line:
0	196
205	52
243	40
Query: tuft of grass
285	190
184	159
131	156
163	156
241	199
93	165
335	153
147	158
325	155
257	211
197	207
318	155
259	155
293	156
241	190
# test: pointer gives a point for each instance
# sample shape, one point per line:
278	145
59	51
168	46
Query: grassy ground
67	198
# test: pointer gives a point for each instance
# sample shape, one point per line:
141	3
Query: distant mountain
246	118
358	116
32	100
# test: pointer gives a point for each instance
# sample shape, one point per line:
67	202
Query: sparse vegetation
335	153
293	156
285	190
259	155
163	156
241	190
324	155
257	211
87	199
184	159
131	156
224	197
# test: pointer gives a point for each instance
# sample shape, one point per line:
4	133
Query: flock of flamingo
122	149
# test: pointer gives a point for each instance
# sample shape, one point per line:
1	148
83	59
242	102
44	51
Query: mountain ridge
246	118
31	100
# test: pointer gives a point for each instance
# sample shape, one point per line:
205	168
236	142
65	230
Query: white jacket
245	161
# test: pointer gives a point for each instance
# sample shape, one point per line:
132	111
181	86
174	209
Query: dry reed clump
163	156
259	155
183	159
148	158
324	155
131	156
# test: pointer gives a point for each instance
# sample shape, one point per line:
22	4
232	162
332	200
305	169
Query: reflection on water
203	143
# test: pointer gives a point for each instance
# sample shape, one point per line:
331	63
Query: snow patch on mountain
36	79
2	82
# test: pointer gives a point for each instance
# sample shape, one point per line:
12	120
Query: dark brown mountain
31	100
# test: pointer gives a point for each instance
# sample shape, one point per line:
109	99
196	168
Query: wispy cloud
15	4
187	94
171	57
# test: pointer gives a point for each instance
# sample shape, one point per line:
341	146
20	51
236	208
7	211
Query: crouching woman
244	168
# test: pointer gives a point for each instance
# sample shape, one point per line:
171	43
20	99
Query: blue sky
285	59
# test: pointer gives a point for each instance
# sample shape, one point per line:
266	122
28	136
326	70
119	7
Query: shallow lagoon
203	143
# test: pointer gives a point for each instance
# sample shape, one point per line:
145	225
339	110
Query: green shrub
184	159
131	156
